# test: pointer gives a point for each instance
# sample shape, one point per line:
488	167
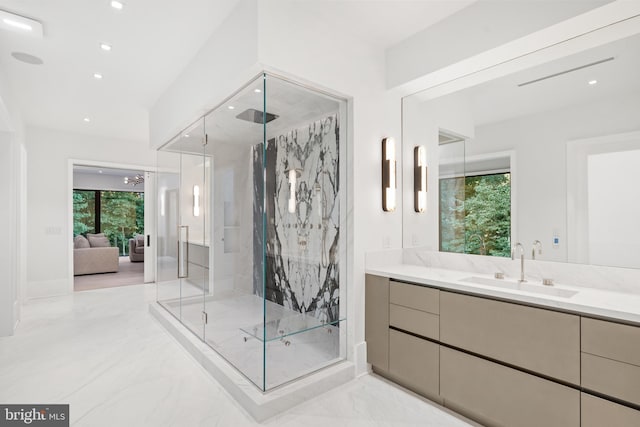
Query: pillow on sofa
97	241
80	242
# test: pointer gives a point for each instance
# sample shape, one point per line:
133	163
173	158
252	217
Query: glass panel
304	246
264	203
235	150
194	250
168	184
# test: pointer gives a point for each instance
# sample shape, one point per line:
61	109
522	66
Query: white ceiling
152	43
384	23
502	99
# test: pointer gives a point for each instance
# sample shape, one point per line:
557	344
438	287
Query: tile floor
103	353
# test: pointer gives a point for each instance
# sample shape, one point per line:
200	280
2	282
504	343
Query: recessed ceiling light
186	135
592	82
257	90
100	171
117	5
105	46
97	76
26	58
231	107
87	119
20	24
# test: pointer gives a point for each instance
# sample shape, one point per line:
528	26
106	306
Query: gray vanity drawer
540	340
610	377
414	296
598	412
611	340
415	363
416	321
496	395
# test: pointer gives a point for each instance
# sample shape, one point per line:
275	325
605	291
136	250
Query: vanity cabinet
611	359
414	309
376	321
597	412
497	395
415	363
503	363
539	340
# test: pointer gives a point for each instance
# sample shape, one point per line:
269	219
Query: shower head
254	116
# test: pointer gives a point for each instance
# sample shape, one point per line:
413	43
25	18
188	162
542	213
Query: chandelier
135	180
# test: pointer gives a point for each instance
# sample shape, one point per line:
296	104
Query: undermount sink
526	287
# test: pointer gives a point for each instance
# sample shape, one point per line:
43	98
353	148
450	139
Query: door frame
149	228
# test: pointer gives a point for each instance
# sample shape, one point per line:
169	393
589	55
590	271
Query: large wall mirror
550	154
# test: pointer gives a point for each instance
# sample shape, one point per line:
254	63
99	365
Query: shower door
182	263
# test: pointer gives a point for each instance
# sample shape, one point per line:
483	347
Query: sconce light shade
420	178
196	200
388	175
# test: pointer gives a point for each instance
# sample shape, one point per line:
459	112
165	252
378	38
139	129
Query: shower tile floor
103	353
234	329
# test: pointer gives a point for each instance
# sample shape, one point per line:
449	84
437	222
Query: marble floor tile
102	352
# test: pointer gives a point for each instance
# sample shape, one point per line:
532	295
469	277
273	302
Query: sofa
136	248
94	254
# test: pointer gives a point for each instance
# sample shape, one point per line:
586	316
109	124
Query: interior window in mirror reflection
475	214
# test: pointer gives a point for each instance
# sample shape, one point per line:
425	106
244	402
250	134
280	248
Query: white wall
12	210
614	208
49	233
8	235
539	142
93	181
225	62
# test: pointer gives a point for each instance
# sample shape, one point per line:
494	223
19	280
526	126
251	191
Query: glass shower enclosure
251	253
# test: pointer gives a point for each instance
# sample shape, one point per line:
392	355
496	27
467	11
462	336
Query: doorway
110	215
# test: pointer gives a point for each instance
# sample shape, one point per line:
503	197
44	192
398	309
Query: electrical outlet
386	242
415	240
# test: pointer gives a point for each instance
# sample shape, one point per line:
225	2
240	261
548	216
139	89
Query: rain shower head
254	116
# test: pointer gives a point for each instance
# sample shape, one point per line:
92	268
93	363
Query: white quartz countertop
600	303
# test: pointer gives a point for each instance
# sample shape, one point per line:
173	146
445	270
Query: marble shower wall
303	226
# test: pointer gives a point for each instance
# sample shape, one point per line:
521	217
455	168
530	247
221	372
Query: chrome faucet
536	244
513	256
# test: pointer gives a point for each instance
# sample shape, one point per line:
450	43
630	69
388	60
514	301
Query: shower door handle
182	266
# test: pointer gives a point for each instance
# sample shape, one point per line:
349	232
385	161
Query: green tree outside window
475	214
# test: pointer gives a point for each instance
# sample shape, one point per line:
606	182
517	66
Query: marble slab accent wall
302	269
614	279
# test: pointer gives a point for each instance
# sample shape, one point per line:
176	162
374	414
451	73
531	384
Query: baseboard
47	288
260	405
360	358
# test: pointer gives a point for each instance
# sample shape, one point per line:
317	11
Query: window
117	214
475	214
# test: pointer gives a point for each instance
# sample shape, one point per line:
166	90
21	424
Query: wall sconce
420	178
196	200
293	175
388	175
